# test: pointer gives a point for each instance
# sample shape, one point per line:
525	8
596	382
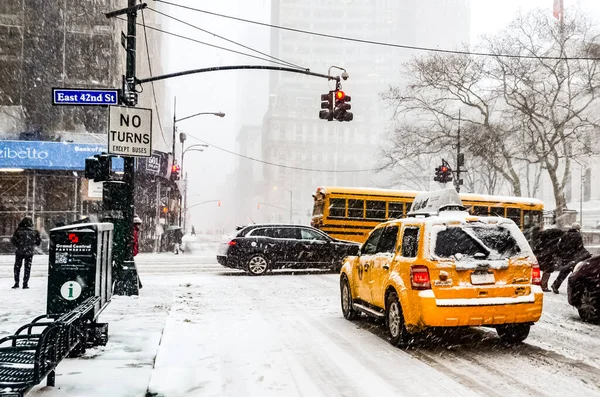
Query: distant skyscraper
293	135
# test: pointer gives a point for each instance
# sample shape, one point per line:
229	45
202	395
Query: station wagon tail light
536	275
419	277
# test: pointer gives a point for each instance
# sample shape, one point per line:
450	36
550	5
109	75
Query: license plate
483	278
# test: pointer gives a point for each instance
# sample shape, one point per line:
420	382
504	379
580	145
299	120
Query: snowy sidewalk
123	366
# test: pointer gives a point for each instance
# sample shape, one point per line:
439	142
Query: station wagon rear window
494	242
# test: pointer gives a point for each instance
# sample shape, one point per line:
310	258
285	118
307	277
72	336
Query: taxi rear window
494	242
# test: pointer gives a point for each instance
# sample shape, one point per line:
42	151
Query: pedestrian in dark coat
547	253
178	236
24	239
571	251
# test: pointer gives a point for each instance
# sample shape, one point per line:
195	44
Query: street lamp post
182	139
192	148
291	199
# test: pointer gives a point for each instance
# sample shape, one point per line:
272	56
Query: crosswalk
163	263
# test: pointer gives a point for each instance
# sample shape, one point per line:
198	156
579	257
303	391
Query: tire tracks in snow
483	363
361	364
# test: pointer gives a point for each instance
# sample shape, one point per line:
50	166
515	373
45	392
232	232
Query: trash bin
79	266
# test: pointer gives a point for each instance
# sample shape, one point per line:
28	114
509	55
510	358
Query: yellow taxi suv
442	267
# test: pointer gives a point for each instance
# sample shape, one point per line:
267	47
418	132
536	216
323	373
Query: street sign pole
127	281
129	169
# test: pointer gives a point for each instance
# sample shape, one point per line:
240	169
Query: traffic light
342	105
327	103
175	172
443	173
98	167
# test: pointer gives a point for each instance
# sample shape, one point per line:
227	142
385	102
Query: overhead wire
224	38
152	83
207	44
280	165
379	43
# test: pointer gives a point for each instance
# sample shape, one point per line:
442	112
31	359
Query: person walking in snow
571	251
24	239
547	253
178	237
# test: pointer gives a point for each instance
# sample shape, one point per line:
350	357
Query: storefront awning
42	155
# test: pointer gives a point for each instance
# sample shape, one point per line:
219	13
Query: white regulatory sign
130	131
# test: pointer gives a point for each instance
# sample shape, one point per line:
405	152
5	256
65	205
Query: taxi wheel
257	265
346	295
513	333
394	319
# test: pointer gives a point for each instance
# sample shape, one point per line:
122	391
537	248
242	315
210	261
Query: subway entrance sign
130	131
85	96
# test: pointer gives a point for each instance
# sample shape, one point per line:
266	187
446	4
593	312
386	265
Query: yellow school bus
351	213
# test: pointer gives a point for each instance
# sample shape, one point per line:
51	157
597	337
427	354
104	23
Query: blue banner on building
39	155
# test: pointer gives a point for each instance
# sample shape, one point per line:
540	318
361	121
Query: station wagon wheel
257	265
346	296
394	320
589	308
513	333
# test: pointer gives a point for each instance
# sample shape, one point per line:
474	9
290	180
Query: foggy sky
210	172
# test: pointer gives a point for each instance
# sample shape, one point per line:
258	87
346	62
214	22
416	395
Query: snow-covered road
223	333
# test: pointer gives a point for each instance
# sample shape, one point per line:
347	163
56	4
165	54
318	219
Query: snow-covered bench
34	351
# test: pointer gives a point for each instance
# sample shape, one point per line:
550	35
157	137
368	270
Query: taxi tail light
536	275
232	242
419	277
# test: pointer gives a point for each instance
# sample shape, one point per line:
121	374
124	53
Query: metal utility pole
460	158
174	125
129	174
126	278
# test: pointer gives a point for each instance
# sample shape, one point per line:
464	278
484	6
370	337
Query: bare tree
553	98
524	111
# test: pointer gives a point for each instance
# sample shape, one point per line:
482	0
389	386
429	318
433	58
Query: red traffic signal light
444	168
339	95
175	172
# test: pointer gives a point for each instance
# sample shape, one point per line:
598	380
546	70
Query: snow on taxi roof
431	203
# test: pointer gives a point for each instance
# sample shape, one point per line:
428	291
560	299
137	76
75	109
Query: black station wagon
261	247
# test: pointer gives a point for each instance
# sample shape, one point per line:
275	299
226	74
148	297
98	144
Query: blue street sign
84	96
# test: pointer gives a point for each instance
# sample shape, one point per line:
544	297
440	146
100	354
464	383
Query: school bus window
514	214
395	210
408	205
496	211
356	208
375	209
337	207
479	210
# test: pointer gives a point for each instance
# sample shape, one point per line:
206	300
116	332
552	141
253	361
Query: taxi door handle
386	266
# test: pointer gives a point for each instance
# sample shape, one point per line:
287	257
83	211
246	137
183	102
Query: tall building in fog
292	133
